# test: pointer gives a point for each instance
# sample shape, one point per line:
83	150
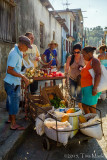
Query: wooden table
49	78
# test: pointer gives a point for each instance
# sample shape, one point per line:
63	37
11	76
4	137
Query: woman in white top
103	59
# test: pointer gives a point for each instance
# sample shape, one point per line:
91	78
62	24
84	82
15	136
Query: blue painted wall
63	60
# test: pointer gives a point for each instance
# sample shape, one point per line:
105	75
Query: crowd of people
78	65
26	53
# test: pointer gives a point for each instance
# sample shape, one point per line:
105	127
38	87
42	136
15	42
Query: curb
10	146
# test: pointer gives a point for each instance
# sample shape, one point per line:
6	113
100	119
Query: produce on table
61	74
34	72
57	74
30	80
30	72
82	119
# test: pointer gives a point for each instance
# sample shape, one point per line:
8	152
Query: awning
47	4
70	38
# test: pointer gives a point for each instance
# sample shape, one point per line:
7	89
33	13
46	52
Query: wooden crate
33	109
51	90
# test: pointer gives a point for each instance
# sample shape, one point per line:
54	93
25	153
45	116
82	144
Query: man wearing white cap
12	80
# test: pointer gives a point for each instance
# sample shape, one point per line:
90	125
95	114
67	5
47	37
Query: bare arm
43	58
67	64
37	58
58	67
13	73
99	57
97	69
57	61
44	61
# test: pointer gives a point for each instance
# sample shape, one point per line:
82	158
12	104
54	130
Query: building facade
69	17
21	16
78	33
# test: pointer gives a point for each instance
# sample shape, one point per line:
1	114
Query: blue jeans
75	90
13	98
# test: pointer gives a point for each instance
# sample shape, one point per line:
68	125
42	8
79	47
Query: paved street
32	148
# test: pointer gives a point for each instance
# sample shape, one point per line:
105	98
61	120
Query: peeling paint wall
29	18
4	51
29	14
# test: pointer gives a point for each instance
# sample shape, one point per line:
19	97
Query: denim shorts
75	90
13	98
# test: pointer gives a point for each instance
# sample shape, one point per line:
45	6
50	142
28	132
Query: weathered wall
67	16
4	51
29	18
29	14
56	27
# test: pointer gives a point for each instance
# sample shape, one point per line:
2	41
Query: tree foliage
94	36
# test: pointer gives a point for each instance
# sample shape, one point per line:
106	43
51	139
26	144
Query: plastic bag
28	65
39	124
61	126
93	131
73	119
103	95
92	128
103	81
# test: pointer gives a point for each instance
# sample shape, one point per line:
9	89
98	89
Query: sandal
17	127
21	128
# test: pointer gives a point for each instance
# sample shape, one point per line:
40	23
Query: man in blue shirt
12	81
50	54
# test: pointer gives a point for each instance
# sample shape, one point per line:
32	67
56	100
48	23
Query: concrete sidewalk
9	139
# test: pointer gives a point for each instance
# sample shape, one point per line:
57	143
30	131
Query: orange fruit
65	118
82	119
51	96
71	110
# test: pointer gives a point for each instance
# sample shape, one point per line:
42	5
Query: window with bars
7	21
41	35
53	35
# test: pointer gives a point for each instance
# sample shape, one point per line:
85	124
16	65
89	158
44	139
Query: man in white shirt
33	55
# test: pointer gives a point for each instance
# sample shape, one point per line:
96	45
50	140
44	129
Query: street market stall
55	115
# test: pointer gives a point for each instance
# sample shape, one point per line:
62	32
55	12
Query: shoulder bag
103	81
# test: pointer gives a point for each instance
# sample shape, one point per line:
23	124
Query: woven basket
33	109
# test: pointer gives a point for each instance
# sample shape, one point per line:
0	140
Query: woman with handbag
89	91
74	64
